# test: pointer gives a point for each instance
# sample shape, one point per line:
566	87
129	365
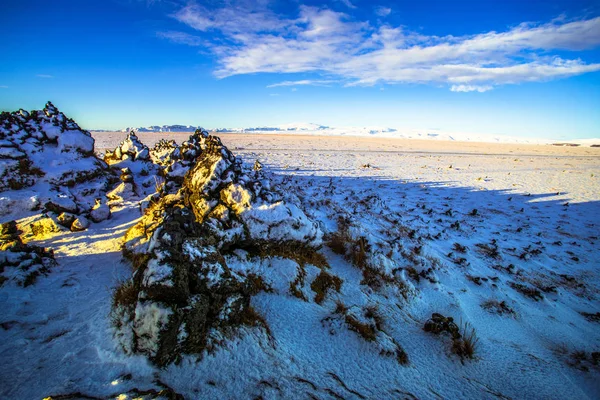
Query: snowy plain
537	205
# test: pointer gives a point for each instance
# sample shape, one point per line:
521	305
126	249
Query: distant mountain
295	127
304	128
165	128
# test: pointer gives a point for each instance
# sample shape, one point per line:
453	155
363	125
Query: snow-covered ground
502	237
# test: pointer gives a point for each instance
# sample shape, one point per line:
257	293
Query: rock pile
49	161
139	174
183	297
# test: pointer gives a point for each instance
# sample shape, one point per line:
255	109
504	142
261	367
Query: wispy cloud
3	87
470	88
251	39
383	11
347	3
45	76
182	38
304	82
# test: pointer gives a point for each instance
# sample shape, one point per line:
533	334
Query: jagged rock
183	296
126	175
45	153
80	224
161	153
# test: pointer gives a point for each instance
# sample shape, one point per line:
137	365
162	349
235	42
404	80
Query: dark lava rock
183	298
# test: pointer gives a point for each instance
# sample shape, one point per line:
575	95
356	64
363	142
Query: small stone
80	224
66	219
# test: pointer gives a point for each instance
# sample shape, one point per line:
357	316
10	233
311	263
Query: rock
133	159
130	148
66	219
19	262
126	175
183	293
80	224
438	324
61	203
100	211
46	147
8	229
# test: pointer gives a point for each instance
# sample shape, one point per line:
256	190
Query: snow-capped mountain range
373	131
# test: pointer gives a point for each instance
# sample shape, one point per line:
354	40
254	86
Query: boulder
80	224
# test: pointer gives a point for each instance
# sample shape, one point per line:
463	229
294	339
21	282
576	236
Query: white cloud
347	3
470	88
44	76
383	11
238	19
254	39
304	82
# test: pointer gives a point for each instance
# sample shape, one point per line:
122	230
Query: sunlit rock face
183	297
21	263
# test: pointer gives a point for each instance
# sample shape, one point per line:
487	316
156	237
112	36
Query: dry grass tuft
323	283
340	308
465	345
489	250
257	284
125	295
527	291
299	252
250	317
367	331
297	283
337	243
497	307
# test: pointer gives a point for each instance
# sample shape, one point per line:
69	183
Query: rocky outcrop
48	154
183	297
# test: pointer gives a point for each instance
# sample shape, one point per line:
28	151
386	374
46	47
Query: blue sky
524	68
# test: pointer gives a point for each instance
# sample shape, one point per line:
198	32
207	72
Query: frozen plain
538	205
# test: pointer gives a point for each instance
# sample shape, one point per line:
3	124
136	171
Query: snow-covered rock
21	263
46	155
100	211
183	292
139	174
